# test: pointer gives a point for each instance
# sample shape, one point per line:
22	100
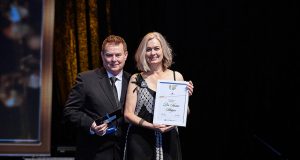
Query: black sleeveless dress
147	144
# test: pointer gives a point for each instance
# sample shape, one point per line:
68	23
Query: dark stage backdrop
239	55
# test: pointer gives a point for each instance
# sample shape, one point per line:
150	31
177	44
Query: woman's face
154	54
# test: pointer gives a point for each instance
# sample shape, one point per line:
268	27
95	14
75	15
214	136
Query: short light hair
115	40
140	54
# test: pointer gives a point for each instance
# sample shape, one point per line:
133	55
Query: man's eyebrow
109	53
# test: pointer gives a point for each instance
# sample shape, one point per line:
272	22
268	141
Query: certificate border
159	121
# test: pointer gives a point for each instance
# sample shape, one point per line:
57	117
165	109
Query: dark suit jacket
91	98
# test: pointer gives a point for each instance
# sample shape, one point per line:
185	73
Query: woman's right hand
162	128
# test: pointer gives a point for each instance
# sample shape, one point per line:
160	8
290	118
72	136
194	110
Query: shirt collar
119	76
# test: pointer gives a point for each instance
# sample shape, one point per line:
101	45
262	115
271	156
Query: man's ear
126	54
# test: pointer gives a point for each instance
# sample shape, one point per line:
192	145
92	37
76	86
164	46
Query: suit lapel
124	87
106	86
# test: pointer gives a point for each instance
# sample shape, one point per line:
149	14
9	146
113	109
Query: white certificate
171	103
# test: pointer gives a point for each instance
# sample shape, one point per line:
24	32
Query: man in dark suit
92	97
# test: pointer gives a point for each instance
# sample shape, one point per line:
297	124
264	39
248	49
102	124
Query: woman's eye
148	49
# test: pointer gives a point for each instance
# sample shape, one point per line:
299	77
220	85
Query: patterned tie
114	88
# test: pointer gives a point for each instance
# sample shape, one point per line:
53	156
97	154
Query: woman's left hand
190	88
163	128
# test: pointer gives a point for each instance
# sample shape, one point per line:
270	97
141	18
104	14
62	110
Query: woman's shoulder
177	75
138	79
135	76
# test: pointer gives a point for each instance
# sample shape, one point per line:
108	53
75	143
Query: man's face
114	58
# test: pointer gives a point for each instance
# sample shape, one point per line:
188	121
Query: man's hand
100	129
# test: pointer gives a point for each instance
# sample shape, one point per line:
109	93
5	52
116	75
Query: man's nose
114	57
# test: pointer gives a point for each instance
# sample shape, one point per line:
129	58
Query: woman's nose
152	51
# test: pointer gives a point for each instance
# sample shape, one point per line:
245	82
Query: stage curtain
77	42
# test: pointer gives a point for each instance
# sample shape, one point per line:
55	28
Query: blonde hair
140	54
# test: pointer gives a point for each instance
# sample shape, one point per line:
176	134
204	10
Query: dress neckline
146	84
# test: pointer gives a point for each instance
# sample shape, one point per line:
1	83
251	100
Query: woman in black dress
145	140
